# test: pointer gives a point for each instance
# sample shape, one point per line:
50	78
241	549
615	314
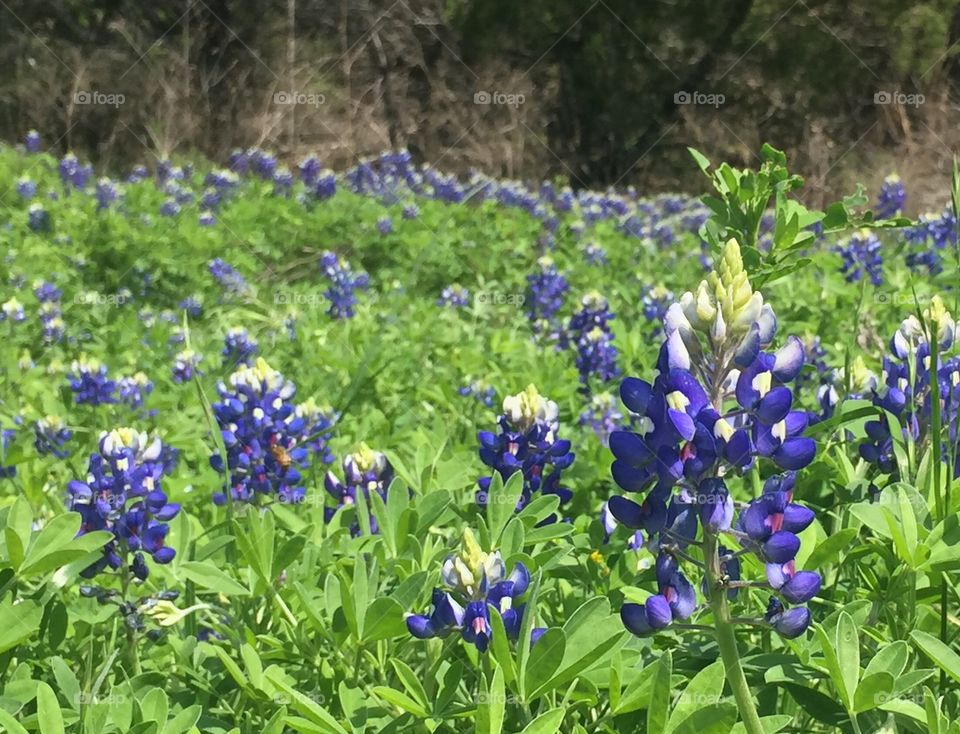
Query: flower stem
727	640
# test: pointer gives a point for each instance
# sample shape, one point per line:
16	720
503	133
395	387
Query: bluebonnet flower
610	524
904	390
134	389
527	442
928	238
170	208
718	405
32	141
12	311
7	436
282	182
655	301
26	188
50	434
480	390
73	174
364	471
343	285
50	314
861	256
454	296
410	211
193	305
318	428
384	225
596	357
788	623
594	254
233	283
603	415
106	193
475	582
177	336
122	494
325	185
546	292
206	219
90	383
309	169
38	219
589	332
185	365
892	197
238	347
137	174
263	435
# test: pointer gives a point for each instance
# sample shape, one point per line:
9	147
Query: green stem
727	640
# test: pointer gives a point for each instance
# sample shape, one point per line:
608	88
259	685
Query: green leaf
716	718
545	659
10	724
590	633
873	691
827	552
492	706
502	502
17	530
706	687
410	681
305	705
848	656
383	620
207	576
49	717
400	700
18	622
251	661
770	724
945	658
891	658
547	723
660	695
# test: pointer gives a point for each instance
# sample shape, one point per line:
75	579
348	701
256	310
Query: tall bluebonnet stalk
861	256
90	382
589	333
364	471
343	285
905	392
719	405
122	494
474	582
892	197
546	292
50	435
527	442
263	435
238	347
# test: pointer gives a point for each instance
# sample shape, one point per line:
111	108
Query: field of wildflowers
392	450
